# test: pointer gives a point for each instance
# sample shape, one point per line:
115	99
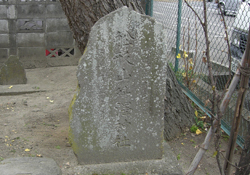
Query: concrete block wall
37	32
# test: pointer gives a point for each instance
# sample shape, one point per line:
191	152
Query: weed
200	124
193	129
58	147
13	151
192	141
178	156
1	158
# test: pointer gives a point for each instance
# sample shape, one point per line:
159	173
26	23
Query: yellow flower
185	54
178	56
191	61
184	74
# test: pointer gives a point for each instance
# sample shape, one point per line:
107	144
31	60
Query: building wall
37	32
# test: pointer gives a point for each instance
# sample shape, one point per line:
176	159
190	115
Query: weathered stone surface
29	166
12	72
168	165
179	114
118	114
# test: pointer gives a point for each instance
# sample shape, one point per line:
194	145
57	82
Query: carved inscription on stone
118	113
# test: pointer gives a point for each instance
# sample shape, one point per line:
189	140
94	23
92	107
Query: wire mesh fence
187	49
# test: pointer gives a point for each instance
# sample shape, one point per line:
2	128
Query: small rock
68	145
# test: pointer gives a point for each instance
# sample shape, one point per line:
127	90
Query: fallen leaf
213	88
206	102
184	74
198	132
27	150
203	117
204	60
182	143
215	153
194	81
51	101
39	155
10	87
196	113
47	97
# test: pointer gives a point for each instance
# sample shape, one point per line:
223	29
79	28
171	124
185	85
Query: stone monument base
168	165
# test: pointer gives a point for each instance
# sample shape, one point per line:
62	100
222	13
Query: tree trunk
244	163
83	14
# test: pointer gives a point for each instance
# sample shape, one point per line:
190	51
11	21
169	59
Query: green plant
58	147
1	158
192	141
178	156
13	151
200	124
193	128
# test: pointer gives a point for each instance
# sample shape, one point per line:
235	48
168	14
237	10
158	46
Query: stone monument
118	113
12	72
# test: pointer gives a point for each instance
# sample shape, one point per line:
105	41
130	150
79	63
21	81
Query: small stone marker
118	114
12	72
29	166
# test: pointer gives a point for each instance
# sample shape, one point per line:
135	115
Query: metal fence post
149	7
178	35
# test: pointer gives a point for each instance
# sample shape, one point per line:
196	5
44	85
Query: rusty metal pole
244	73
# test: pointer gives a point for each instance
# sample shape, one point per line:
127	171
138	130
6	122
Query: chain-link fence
187	49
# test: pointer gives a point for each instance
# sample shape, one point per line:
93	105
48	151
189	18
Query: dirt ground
36	124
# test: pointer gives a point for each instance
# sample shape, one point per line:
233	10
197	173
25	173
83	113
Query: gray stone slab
118	114
12	72
29	166
168	165
32	57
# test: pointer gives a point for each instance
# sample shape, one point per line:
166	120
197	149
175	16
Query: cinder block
30	25
54	11
11	12
4	28
5	2
54	25
32	57
35	10
3	11
4	41
30	39
59	39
